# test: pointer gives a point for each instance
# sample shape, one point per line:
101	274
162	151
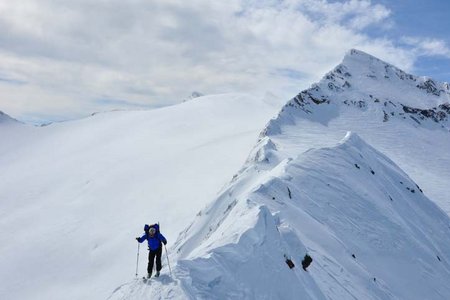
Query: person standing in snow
154	239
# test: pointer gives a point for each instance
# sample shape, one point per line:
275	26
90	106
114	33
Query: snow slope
6	119
370	230
75	194
78	192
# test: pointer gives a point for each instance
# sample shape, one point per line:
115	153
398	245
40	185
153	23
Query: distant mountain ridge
193	95
4	118
365	82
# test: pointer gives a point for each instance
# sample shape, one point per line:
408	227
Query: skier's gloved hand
137	239
165	242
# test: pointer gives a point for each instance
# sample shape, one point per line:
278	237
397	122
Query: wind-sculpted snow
404	116
370	230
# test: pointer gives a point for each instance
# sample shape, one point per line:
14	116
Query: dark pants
151	258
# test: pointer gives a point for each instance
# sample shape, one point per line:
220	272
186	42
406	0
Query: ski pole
167	255
137	260
168	263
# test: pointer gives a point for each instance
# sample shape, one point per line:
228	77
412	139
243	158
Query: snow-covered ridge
193	95
4	118
402	115
369	228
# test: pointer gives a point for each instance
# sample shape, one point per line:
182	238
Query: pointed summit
361	56
193	95
360	63
353	139
365	73
366	66
4	118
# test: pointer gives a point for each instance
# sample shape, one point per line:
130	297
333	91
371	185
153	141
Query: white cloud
73	54
428	46
355	14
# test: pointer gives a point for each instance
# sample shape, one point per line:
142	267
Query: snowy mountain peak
4	118
366	84
196	94
405	116
193	95
369	70
354	140
357	57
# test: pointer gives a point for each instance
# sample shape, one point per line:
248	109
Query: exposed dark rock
307	260
386	117
317	100
417	121
393	104
289	262
334	87
430	86
445	107
359	104
419	188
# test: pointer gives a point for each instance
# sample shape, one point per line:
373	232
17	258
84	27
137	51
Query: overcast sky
65	59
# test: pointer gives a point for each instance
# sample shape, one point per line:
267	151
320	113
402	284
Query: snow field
75	194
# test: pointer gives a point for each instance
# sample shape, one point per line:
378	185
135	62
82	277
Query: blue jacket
153	242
